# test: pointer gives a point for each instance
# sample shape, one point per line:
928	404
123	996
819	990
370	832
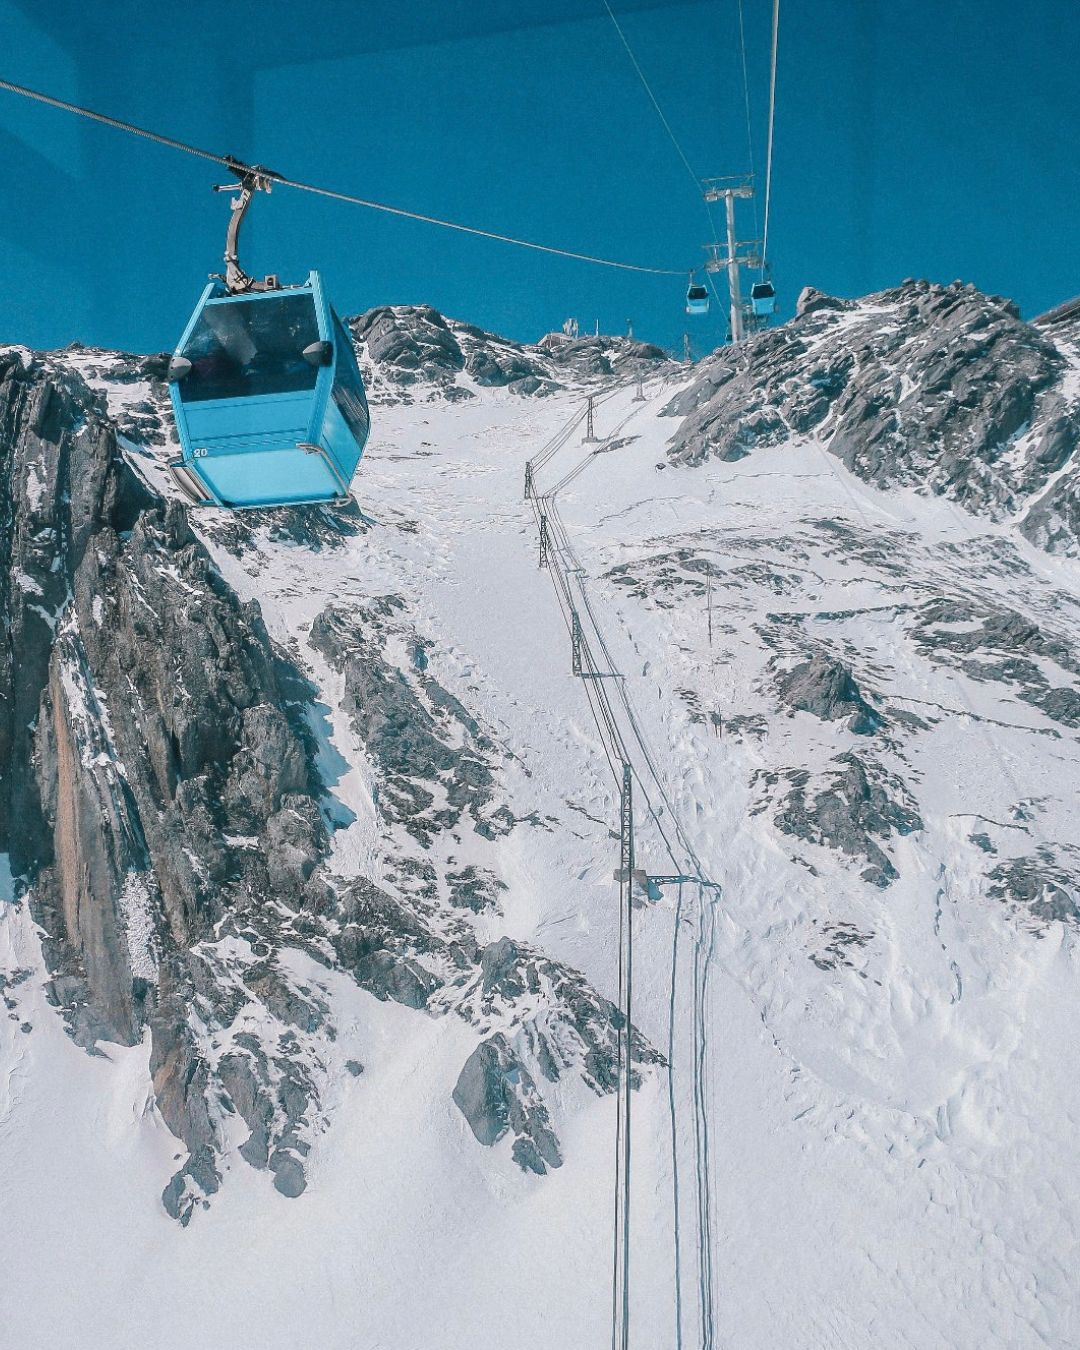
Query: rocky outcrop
1038	885
135	389
497	1089
605	356
811	301
495	1093
476	889
855	808
539	1020
938	387
989	643
496	362
414	344
837	945
408	343
415	347
436	762
825	687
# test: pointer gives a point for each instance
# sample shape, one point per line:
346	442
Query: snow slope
887	1066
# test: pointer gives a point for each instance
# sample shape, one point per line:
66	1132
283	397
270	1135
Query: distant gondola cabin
763	299
697	298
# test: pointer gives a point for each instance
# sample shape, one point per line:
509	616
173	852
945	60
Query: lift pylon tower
687	354
528	481
543	541
590	430
639	393
736	253
575	643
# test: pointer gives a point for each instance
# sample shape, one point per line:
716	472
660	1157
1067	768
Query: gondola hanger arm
251	178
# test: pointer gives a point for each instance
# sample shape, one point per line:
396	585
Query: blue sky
928	139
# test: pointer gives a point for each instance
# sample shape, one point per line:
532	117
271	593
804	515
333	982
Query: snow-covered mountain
307	839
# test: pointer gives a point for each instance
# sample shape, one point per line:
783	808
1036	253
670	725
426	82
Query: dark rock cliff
156	790
160	802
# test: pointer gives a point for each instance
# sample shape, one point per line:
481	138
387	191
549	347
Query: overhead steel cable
673	1116
558	440
654	100
479	233
661	114
772	125
704	940
115	122
746	106
746	89
671	136
230	162
567	573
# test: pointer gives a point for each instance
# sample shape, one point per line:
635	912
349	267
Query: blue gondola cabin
763	299
697	298
269	402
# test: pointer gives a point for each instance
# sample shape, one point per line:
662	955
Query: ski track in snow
891	1141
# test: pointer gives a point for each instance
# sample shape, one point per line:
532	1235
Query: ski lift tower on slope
734	254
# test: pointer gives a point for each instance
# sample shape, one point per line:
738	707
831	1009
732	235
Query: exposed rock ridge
413	350
938	387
